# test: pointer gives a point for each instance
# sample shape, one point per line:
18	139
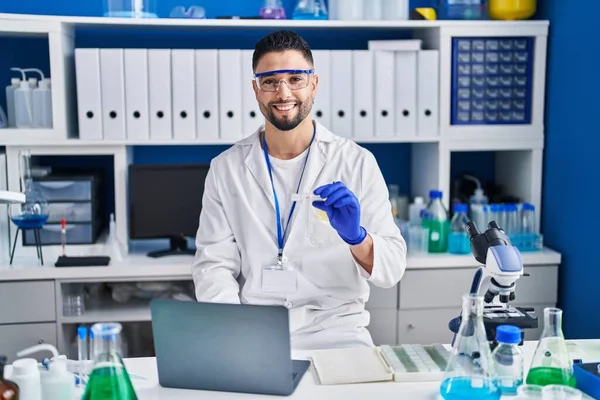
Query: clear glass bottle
458	240
470	371
272	9
311	10
438	224
508	359
109	378
551	362
32	214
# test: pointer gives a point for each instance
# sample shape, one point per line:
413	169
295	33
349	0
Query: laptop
224	347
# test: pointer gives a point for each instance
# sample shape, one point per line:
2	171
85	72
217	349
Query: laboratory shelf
108	310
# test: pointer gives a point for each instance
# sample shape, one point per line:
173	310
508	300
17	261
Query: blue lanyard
280	233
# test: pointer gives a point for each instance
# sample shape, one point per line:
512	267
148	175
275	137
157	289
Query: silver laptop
224	347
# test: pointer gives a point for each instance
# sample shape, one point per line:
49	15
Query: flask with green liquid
109	379
551	363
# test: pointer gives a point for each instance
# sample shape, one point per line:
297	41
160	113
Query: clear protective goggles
294	79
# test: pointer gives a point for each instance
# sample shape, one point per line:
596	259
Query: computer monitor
165	202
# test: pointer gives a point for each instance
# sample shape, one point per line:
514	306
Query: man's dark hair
281	41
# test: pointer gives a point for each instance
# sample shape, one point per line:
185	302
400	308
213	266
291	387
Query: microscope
501	267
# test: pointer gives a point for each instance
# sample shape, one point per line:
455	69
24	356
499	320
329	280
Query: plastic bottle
458	239
113	246
10	102
508	359
470	371
414	211
8	389
310	10
551	362
27	376
23	103
512	220
528	218
58	383
461	9
438	224
272	9
42	106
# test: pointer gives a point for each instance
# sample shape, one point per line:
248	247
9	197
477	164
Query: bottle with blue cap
437	224
508	359
458	240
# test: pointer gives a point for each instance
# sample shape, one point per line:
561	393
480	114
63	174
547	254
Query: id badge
279	278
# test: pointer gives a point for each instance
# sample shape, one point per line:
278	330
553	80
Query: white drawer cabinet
383	326
426	326
16	337
31	301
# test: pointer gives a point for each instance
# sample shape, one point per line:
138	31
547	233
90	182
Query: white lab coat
237	235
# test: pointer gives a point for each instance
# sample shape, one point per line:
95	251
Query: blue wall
571	172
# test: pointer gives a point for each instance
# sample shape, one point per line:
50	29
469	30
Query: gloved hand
343	210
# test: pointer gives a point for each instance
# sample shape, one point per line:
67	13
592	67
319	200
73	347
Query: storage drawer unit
50	235
72	212
31	301
14	338
56	190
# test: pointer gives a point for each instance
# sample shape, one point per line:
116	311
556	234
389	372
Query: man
296	216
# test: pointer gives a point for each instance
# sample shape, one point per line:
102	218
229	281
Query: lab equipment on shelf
130	9
393	10
10	102
23	103
73	299
415	363
458	240
8	389
109	378
26	375
551	362
511	9
272	9
414	211
508	359
195	12
461	9
470	370
436	221
310	10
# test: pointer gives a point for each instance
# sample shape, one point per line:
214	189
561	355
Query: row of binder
187	94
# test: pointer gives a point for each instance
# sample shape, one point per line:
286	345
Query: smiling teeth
285	108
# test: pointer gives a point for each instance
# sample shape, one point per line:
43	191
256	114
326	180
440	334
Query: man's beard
285	123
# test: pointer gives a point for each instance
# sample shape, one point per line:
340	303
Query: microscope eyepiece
471	229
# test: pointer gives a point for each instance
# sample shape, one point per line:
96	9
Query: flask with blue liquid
458	240
462	9
310	10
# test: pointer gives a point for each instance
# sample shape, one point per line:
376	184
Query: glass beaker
551	362
109	378
32	214
310	9
130	8
272	9
470	373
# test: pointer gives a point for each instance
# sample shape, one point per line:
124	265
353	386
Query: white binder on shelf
321	110
136	94
184	94
89	93
428	93
384	82
363	101
159	81
112	77
406	93
252	118
230	101
207	94
341	92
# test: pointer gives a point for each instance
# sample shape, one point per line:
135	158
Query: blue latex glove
343	210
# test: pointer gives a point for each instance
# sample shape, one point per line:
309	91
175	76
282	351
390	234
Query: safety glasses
294	79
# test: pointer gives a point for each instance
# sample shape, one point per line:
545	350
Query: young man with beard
296	216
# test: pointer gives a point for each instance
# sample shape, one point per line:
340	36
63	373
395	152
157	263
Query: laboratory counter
145	379
139	266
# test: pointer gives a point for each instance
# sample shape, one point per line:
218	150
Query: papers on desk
359	365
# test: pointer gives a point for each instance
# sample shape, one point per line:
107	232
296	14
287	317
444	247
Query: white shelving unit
518	157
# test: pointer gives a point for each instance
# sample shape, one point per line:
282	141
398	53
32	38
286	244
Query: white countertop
138	265
145	379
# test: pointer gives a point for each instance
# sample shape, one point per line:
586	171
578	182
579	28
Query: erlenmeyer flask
272	9
469	373
310	9
109	378
551	362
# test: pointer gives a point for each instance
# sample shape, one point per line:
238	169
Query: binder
428	93
363	100
184	94
252	117
207	95
341	92
159	81
112	78
136	94
321	110
406	93
89	97
384	82
230	101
